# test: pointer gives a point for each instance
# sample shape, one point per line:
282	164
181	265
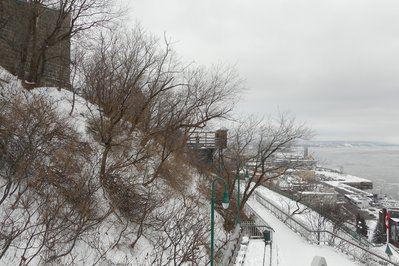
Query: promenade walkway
289	248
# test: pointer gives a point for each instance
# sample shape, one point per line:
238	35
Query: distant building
389	203
300	162
326	175
358	201
359	184
393	224
306	152
320	197
394	231
283	184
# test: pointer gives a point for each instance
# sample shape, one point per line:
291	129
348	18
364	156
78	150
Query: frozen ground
289	248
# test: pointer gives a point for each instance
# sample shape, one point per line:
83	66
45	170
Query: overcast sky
334	64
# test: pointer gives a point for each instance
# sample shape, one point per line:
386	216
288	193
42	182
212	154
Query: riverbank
377	163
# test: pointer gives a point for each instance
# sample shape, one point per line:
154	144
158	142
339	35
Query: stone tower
15	43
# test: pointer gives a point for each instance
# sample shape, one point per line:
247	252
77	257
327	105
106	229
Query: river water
379	164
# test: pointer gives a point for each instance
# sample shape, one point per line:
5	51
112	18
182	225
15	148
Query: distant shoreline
343	143
377	163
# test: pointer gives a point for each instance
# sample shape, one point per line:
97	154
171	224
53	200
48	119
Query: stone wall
14	27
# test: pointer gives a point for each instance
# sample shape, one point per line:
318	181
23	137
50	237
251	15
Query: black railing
355	250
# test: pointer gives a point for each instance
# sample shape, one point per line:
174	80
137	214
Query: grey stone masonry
14	28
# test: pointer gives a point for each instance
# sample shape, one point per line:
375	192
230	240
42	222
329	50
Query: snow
106	235
255	252
99	246
62	100
285	235
289	248
342	177
304	215
241	254
338	184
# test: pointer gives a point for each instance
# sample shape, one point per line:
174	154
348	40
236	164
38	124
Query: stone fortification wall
14	40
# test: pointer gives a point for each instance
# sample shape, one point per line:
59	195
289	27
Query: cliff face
17	43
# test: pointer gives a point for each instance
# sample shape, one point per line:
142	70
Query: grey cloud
334	64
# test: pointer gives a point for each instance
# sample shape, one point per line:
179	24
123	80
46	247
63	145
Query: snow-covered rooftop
342	177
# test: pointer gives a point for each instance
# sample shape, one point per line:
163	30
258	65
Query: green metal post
225	201
246	173
238	198
212	222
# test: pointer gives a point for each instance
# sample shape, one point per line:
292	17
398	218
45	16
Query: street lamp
238	197
246	174
225	204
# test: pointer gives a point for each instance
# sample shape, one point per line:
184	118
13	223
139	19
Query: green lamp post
238	197
225	204
246	174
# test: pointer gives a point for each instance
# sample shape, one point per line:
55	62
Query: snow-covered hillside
56	209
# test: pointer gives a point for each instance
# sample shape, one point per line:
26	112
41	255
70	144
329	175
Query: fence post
354	249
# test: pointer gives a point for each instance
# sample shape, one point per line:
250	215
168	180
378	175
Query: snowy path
289	248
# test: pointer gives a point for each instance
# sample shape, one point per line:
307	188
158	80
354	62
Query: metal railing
199	140
347	246
252	230
344	227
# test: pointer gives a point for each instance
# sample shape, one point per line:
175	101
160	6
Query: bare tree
148	101
65	19
77	57
181	235
115	77
294	207
379	236
263	147
47	182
